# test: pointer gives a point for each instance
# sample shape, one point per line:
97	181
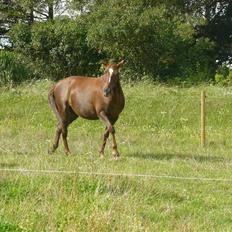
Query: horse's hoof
67	153
117	157
101	155
50	151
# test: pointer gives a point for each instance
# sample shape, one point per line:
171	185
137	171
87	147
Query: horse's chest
116	105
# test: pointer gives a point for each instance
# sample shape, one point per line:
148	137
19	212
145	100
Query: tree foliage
154	42
14	69
162	39
57	48
28	12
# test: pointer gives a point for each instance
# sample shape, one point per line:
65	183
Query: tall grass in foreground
158	133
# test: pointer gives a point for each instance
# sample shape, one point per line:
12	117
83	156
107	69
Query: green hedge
58	48
14	68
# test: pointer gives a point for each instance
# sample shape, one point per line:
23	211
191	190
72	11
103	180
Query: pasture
157	134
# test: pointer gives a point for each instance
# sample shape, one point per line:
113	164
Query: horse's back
78	93
64	87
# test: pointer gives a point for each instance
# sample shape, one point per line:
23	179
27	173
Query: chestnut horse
90	98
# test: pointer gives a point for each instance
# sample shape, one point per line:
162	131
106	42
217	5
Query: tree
10	13
162	39
58	48
154	41
218	27
27	11
216	24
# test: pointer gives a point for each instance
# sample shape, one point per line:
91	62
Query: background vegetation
161	40
157	133
172	41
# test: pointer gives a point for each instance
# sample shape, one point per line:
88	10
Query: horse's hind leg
62	128
70	117
64	136
56	140
105	137
66	118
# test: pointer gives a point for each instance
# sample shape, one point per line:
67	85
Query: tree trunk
50	12
31	17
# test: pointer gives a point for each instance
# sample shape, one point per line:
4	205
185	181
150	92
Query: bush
58	48
154	43
129	30
223	75
14	69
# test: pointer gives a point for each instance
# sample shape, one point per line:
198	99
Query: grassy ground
158	133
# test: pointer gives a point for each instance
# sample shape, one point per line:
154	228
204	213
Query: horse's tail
52	101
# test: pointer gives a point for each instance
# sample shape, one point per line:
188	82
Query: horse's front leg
105	137
110	129
115	152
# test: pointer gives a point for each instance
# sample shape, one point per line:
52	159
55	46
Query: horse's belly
83	108
88	115
85	111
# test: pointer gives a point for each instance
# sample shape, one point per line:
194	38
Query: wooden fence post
203	96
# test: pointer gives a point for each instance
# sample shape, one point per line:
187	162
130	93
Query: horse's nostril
106	91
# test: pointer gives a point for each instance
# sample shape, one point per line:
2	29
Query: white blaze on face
111	72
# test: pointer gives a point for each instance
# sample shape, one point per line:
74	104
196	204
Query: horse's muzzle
107	91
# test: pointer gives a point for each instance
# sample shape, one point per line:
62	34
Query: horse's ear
105	65
120	64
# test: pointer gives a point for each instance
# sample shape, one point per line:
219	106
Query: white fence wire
66	172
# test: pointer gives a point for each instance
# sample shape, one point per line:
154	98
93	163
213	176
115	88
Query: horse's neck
117	88
104	77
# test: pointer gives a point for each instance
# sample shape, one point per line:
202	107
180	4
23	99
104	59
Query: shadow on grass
8	165
170	156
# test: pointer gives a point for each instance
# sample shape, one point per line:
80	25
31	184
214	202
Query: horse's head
111	77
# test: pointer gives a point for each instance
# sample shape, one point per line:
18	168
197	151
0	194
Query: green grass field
157	133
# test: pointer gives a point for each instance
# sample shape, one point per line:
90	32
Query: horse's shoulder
84	79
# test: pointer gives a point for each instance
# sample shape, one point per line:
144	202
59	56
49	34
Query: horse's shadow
8	165
181	156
